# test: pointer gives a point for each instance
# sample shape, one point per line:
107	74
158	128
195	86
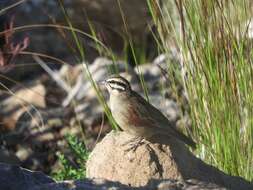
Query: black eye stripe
117	83
116	88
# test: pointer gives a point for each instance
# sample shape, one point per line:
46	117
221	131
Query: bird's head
117	84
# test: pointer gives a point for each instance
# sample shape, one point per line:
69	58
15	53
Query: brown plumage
136	116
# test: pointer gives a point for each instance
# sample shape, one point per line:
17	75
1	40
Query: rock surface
167	159
14	177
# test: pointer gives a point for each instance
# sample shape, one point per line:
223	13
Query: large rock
164	158
16	178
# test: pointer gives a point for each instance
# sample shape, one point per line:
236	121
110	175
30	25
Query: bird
136	116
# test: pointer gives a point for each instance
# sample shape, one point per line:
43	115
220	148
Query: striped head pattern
117	83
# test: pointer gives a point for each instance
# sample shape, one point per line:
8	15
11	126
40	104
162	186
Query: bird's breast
119	109
125	117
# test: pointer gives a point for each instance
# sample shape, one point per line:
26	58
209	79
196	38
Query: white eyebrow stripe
115	80
118	82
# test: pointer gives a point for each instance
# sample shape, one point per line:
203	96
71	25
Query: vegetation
217	60
68	170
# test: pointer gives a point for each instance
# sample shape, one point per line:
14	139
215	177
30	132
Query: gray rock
16	178
9	157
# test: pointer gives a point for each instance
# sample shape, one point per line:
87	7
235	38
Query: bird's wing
144	114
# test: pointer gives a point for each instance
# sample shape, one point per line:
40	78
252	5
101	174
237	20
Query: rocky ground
13	178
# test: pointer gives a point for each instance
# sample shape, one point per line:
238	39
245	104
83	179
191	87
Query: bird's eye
116	86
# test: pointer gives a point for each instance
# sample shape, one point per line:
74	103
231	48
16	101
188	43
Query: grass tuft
217	57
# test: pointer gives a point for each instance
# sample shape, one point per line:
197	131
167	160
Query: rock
187	185
37	136
14	177
100	69
17	103
168	107
9	157
152	75
30	129
161	158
